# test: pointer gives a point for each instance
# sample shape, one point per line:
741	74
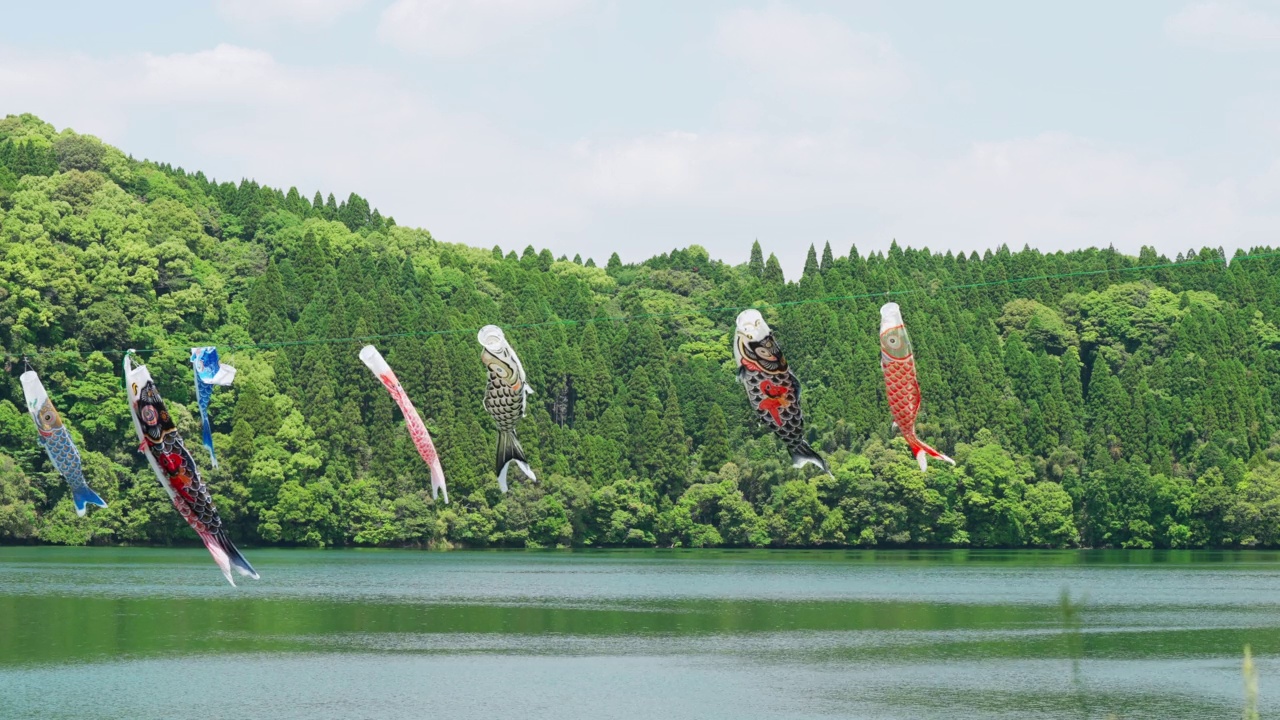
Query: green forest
1108	401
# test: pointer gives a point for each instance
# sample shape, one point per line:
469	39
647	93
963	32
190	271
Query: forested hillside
1101	407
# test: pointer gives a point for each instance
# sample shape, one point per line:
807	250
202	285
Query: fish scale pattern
177	462
903	390
66	459
776	399
412	420
204	394
164	443
502	399
902	387
417	430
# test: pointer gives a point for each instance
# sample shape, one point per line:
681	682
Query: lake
157	633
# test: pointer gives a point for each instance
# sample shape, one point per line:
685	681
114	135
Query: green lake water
156	633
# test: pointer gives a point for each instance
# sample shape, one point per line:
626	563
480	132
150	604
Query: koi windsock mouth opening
750	325
890	316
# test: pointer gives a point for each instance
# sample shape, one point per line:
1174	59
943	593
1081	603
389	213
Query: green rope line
676	314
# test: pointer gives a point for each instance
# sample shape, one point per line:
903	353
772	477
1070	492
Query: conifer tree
773	271
256	413
268	311
1020	366
294	203
811	267
715	449
756	265
1106	405
1073	395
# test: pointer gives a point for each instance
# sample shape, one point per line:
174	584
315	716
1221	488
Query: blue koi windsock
57	443
209	372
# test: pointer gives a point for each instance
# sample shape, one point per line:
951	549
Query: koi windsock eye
894	343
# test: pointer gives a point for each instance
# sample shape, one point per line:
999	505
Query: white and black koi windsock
176	470
772	388
506	399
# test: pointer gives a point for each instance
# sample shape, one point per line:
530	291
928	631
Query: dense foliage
1107	408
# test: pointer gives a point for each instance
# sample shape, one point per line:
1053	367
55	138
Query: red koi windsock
901	386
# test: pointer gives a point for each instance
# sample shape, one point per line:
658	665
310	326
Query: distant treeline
1116	408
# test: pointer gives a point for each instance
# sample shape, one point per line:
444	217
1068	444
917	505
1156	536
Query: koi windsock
209	372
899	366
370	356
772	388
506	398
56	440
176	470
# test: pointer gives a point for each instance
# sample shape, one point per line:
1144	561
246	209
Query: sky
595	126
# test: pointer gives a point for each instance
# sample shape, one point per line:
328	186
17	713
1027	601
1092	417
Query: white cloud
1226	25
747	172
1266	187
78	90
459	28
1052	191
673	167
1058	191
811	55
256	14
225	74
239	112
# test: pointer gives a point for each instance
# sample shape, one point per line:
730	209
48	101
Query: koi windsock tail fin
922	453
83	497
437	480
234	557
509	451
214	545
802	455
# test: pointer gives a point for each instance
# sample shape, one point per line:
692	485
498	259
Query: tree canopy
1119	402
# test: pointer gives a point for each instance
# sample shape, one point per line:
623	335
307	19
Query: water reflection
92	633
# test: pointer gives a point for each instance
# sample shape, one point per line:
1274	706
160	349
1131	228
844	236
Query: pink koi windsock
417	430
